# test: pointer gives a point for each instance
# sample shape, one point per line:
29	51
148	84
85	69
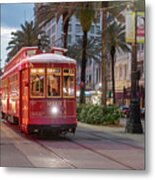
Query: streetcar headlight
54	110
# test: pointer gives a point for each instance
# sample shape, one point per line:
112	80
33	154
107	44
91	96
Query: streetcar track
81	145
37	142
101	154
116	140
93	134
87	148
120	142
59	156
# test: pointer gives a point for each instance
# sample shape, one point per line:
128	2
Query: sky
12	16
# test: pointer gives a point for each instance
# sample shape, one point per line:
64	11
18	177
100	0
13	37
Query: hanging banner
130	27
140	27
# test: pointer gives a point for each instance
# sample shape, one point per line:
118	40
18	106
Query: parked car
124	109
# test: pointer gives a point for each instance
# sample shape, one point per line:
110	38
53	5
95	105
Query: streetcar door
24	100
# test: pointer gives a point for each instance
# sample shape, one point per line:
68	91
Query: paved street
92	147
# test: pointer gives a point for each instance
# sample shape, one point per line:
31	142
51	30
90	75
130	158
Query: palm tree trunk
113	79
113	72
83	68
134	124
65	28
104	54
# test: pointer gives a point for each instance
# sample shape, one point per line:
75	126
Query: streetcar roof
50	58
43	58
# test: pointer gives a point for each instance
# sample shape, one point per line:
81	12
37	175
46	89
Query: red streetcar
39	91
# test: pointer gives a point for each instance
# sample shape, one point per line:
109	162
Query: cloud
5	38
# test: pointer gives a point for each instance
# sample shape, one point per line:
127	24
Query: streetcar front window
53	82
68	83
37	82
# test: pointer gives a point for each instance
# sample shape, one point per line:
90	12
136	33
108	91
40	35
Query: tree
116	9
27	36
115	43
134	124
55	10
104	6
93	50
86	16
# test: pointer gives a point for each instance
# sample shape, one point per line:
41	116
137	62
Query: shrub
95	114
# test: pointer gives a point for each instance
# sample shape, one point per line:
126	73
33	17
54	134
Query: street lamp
39	41
134	122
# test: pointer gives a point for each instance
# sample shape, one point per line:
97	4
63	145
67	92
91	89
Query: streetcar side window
37	82
14	92
4	87
53	82
68	83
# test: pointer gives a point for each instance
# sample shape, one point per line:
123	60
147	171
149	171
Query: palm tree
55	10
86	16
115	42
93	50
104	6
134	124
27	36
115	8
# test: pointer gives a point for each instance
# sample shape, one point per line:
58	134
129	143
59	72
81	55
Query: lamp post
133	124
39	41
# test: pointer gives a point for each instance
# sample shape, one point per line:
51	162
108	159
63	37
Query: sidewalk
118	132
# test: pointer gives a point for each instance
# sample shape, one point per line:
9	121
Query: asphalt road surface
92	147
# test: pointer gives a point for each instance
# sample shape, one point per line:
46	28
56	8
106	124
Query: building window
77	37
97	29
53	39
120	72
125	71
96	75
78	28
92	30
90	79
92	37
69	39
49	32
53	28
70	28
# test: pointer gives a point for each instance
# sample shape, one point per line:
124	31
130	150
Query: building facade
123	76
53	29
